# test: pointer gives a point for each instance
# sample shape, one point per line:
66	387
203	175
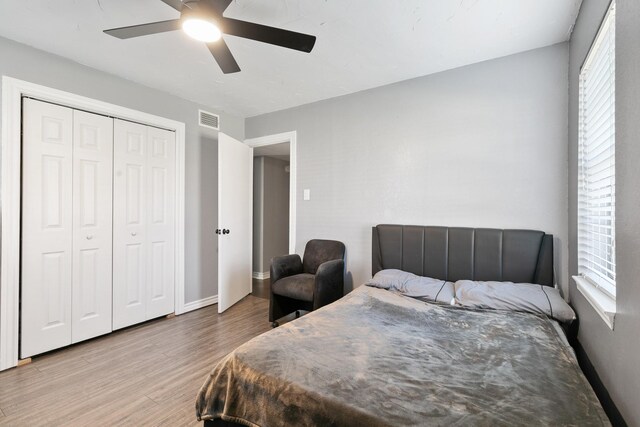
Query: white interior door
235	186
129	223
92	228
46	272
161	200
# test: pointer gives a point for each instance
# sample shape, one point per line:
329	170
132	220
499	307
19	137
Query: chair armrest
284	266
329	283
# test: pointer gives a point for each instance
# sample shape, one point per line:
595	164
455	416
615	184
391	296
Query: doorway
273	204
271	169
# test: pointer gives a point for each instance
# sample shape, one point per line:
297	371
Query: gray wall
481	146
275	233
26	63
614	354
270	211
258	191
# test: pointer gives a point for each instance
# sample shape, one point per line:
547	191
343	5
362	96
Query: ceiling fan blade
265	34
144	29
218	6
223	56
176	4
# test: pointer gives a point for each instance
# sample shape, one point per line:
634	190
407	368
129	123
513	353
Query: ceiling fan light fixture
202	20
201	29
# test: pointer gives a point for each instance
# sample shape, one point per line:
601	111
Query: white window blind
596	161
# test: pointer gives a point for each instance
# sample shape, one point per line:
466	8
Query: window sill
604	305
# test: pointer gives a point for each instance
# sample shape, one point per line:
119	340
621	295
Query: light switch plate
306	194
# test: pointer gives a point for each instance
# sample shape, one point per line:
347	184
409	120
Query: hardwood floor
148	374
261	288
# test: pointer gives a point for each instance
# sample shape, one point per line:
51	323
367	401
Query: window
596	162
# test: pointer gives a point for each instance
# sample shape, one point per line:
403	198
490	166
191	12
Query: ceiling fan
203	21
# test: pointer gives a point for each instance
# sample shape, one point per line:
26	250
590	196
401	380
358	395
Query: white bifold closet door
66	226
143	223
92	225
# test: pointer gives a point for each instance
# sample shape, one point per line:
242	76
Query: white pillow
525	297
424	288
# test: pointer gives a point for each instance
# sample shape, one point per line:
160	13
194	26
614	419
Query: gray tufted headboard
455	253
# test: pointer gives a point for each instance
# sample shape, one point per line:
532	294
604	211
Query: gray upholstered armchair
307	284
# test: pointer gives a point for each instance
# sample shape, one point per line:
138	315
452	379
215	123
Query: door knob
133	233
89	237
226	231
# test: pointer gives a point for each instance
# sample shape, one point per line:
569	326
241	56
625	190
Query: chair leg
297	313
275	324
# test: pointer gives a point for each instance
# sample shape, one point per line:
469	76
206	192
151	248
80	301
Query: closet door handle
89	237
133	233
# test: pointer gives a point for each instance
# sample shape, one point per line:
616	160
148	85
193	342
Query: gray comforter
375	358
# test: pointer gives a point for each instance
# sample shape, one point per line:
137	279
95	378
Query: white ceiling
279	151
361	44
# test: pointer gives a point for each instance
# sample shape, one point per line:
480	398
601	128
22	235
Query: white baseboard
194	305
260	275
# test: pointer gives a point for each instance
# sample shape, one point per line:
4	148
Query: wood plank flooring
144	375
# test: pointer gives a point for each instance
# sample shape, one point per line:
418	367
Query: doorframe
279	138
13	90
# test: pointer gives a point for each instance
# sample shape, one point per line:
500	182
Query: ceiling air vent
209	120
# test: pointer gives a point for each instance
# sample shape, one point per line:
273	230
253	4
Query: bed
381	358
